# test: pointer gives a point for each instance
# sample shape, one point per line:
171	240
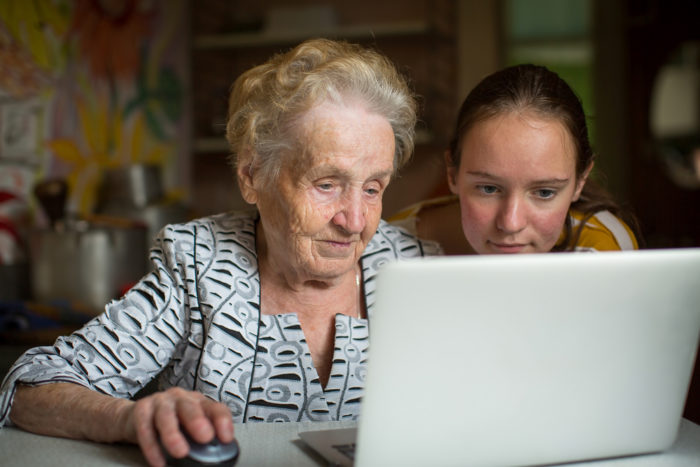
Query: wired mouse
213	453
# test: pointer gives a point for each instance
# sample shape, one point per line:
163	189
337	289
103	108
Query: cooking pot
87	261
136	185
135	192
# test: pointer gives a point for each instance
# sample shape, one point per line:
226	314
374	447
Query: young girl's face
515	182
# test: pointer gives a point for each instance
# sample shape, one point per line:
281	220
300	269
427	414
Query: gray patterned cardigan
195	322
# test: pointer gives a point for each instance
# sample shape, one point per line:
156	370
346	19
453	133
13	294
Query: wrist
118	421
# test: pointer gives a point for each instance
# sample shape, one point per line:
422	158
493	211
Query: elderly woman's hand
155	422
160	419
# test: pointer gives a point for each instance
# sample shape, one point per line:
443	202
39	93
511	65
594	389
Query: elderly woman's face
328	202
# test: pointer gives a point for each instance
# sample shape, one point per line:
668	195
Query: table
271	445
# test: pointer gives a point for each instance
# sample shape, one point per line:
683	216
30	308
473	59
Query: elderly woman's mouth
337	247
339	243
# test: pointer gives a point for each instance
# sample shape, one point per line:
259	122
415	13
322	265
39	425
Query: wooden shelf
266	38
420	37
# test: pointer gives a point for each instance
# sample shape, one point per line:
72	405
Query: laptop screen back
529	359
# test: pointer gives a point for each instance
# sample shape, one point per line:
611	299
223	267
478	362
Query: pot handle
52	194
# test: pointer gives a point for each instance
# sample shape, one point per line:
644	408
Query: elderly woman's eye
327	186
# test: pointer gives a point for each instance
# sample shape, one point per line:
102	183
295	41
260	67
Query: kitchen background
112	116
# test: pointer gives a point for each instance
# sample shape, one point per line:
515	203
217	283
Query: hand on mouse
157	420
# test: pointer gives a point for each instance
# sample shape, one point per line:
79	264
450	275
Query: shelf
266	38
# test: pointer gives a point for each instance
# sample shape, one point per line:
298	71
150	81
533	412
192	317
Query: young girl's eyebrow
478	173
545	181
552	181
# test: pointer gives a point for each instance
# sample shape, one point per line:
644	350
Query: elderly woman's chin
328	270
332	258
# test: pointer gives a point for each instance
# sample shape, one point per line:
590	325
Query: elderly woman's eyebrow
382	174
335	171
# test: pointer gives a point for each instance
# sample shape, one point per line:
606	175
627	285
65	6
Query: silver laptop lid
529	359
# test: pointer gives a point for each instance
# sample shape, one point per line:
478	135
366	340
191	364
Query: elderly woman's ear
244	172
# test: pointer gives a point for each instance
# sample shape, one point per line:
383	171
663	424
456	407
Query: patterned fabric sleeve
198	305
121	350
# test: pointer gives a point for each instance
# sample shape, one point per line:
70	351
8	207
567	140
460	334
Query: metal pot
154	216
136	185
87	262
135	192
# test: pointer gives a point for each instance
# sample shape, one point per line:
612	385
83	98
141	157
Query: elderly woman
262	316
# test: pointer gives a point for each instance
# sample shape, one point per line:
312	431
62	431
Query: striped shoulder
604	232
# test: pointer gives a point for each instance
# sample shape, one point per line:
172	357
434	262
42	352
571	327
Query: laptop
525	360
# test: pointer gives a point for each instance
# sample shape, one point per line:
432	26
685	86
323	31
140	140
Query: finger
193	418
220	415
146	435
165	419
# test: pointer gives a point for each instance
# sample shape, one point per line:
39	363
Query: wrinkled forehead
345	130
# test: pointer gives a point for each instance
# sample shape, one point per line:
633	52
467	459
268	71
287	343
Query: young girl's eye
545	193
487	189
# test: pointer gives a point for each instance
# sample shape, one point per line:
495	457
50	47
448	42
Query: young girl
518	167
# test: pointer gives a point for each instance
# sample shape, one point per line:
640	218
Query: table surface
264	444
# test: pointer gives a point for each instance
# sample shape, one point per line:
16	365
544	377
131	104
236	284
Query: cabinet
418	35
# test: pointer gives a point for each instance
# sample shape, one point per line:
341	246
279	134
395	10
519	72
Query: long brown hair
541	91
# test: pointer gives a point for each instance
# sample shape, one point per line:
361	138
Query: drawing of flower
40	27
109	142
111	33
32	45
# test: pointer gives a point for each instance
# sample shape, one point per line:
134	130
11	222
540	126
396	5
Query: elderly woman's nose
512	216
352	212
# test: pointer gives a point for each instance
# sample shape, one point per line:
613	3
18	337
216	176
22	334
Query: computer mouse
214	453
